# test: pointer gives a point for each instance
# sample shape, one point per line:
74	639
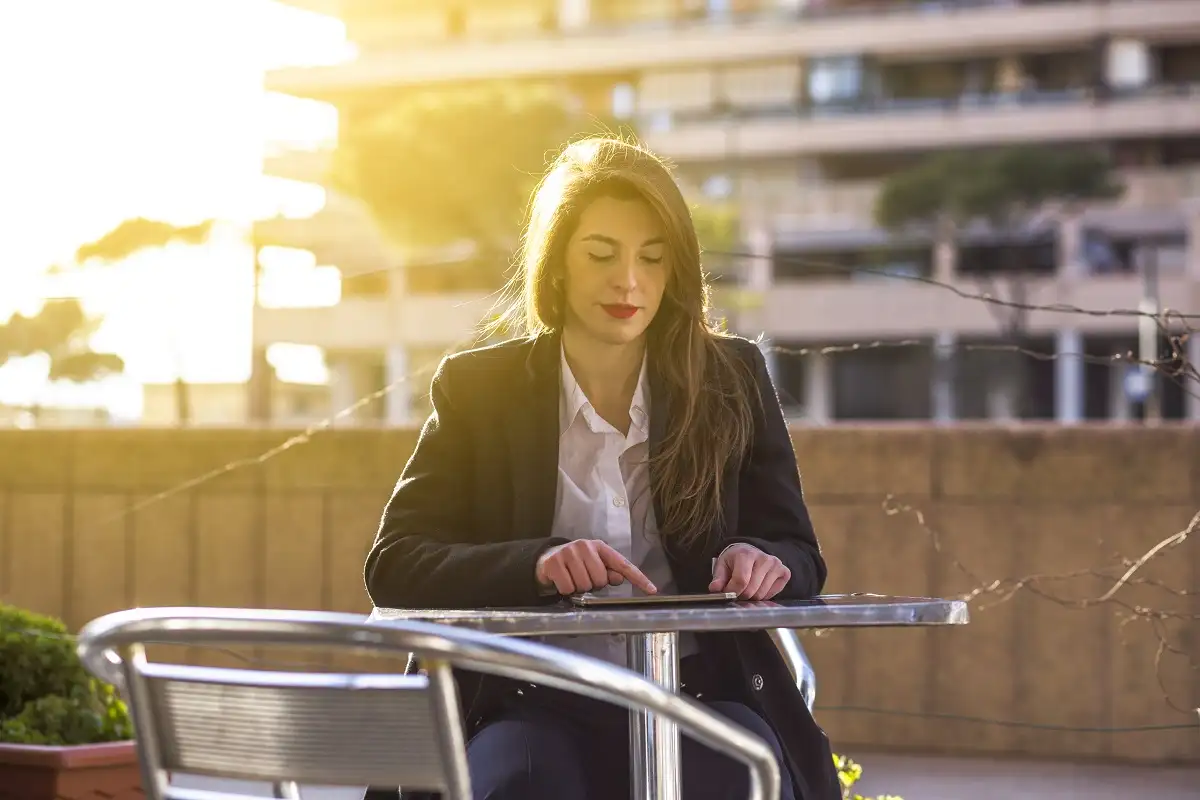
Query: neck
607	373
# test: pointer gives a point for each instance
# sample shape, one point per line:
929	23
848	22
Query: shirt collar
573	401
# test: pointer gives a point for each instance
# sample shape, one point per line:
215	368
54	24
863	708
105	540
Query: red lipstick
619	310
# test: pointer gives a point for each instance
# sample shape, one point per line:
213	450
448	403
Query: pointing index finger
622	566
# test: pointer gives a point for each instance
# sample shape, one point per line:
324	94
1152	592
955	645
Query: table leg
654	742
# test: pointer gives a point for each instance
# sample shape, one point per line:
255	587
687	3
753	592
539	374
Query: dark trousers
553	745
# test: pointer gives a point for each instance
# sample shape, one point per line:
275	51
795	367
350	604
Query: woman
622	445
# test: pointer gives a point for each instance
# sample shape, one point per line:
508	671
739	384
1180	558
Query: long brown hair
710	387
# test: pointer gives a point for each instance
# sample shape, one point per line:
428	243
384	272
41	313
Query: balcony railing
719	132
888	126
668	120
772	13
352	242
833	309
391	57
420	320
851	205
600	22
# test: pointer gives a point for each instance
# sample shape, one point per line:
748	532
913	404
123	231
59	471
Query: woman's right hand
586	565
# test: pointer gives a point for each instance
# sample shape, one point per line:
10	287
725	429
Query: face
616	270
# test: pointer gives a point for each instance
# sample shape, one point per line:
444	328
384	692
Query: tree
137	235
61	330
438	167
1005	189
718	230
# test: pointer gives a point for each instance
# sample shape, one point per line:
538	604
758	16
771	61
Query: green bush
46	695
850	772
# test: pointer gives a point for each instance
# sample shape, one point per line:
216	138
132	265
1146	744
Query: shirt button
619	502
757	681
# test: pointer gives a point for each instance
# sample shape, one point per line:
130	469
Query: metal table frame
652	646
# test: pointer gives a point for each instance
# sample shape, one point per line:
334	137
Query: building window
834	80
624	101
1128	64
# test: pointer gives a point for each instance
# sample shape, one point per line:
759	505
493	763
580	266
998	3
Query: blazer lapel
532	432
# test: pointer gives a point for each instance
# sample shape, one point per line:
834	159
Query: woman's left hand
750	572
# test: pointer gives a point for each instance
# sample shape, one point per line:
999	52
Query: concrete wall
94	521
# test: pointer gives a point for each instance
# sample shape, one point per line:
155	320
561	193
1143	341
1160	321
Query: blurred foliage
46	695
1001	186
437	167
136	235
1007	188
717	227
62	331
850	773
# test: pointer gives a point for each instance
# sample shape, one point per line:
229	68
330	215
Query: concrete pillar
1192	210
759	270
757	278
818	389
943	377
1191	397
1070	248
343	388
945	260
1119	407
1068	377
398	400
262	378
767	347
1000	402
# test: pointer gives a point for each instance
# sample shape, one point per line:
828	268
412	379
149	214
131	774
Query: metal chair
291	728
801	668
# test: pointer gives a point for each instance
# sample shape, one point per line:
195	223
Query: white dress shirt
604	493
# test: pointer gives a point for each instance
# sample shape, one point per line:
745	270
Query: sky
113	109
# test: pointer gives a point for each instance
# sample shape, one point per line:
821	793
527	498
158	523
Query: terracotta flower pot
80	772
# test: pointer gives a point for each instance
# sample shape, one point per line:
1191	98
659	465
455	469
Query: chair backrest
347	729
303	728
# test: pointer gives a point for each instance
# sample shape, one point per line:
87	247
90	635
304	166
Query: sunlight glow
298	363
281	197
149	108
291	279
298	124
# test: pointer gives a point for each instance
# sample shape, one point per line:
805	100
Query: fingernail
652	587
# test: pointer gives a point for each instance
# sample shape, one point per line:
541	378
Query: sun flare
149	108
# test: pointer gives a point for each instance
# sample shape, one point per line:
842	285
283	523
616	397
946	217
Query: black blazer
474	507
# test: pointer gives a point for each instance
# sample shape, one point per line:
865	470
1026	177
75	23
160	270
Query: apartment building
794	111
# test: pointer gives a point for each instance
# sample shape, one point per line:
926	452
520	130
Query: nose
624	275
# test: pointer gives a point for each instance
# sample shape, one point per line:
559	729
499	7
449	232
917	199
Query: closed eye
601	259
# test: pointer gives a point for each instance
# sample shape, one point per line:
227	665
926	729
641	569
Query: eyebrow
599	237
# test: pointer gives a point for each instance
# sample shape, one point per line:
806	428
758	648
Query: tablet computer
588	600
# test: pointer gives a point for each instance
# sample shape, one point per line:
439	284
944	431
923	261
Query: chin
623	332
